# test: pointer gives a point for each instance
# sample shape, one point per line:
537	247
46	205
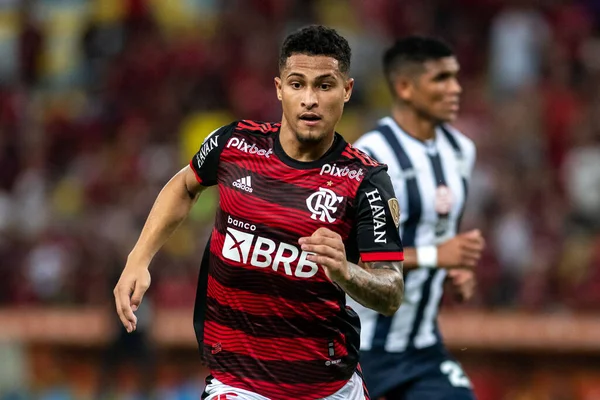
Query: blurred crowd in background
102	101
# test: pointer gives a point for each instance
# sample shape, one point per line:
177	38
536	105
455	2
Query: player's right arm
171	207
462	251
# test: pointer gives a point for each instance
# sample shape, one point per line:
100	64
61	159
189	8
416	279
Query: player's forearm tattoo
379	286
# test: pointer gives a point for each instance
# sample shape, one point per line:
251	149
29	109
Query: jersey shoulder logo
211	142
395	210
379	219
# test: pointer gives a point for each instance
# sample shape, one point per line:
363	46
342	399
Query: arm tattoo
396	266
379	285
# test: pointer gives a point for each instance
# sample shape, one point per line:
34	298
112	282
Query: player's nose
455	87
309	99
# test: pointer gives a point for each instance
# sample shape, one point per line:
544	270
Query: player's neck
304	152
413	124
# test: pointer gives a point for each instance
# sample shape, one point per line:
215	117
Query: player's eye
296	85
444	76
325	86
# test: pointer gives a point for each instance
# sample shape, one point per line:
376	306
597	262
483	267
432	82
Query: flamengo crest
323	204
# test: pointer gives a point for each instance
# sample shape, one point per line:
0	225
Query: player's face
312	91
435	92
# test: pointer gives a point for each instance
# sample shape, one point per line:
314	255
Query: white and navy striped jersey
418	170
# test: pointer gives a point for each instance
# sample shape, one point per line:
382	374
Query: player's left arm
379	283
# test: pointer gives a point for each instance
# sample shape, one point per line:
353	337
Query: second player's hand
129	291
462	251
463	283
329	252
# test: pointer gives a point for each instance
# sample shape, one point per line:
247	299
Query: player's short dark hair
413	50
317	40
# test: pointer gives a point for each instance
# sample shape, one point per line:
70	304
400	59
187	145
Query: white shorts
352	390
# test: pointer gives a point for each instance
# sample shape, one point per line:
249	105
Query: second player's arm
461	251
410	258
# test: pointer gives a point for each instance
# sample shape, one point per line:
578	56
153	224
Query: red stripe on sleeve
195	173
382	256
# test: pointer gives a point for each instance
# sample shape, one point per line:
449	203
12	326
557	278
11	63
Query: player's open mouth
310	118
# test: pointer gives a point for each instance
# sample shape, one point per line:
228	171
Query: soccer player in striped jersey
299	207
430	163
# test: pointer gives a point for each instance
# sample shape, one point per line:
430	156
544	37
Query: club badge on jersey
443	205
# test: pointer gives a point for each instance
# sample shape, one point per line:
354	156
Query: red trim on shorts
225	396
382	256
364	384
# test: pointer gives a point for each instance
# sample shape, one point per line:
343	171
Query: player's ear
348	85
403	86
278	87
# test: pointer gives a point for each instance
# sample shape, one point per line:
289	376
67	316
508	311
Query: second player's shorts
429	373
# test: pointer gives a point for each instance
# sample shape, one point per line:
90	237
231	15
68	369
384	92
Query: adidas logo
244	184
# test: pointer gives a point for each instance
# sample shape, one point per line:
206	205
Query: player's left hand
463	282
329	252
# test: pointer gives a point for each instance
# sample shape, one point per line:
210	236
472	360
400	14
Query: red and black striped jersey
267	319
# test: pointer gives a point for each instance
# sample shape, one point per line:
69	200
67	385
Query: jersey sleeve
205	162
378	217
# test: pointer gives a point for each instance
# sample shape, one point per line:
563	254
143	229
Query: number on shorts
456	375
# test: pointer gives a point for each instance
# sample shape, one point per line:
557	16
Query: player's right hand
129	291
462	251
